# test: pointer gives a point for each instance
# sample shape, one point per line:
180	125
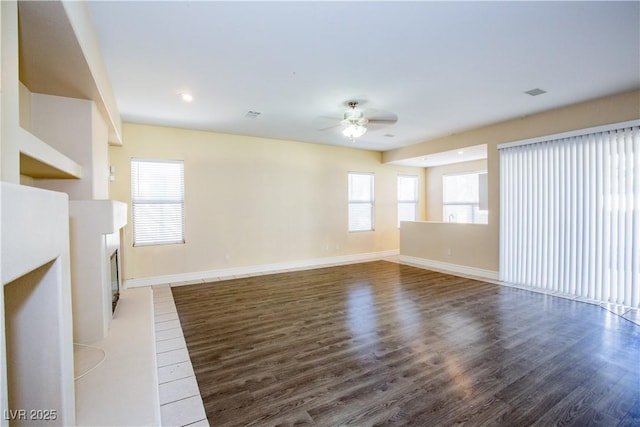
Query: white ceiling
440	67
467	154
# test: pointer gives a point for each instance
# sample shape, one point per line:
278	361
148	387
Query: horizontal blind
570	215
361	193
157	198
407	198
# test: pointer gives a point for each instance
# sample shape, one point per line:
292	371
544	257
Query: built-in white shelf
72	68
40	160
21	216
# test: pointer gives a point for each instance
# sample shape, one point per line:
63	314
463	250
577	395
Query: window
157	199
461	198
360	201
407	198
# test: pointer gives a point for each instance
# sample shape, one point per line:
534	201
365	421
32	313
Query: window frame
414	201
135	201
472	204
370	202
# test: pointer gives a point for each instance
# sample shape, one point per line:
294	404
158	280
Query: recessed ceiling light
460	152
535	92
186	97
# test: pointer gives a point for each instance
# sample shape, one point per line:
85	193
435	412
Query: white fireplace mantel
101	216
36	301
95	234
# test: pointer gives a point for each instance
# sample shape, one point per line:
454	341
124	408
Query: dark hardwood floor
386	344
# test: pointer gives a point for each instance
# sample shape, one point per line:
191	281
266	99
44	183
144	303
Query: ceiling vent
535	92
252	114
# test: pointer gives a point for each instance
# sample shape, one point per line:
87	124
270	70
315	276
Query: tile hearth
126	378
180	401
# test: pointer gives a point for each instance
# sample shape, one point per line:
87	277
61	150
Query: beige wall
434	184
253	201
447	242
479	246
76	128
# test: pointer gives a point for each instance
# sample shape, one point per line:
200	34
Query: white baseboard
493	277
256	270
446	267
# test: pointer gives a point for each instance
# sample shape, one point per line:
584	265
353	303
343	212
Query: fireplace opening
115	281
34	321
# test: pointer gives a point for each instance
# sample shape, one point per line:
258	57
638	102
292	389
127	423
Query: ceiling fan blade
382	118
330	127
383	121
375	125
380	124
369	118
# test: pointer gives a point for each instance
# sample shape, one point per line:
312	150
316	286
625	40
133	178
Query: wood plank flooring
381	343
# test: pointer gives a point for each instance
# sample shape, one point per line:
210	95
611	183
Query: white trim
579	132
445	267
255	270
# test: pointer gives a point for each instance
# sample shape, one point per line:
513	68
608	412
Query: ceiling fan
354	120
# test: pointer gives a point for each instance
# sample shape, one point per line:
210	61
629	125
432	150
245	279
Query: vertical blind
570	215
157	199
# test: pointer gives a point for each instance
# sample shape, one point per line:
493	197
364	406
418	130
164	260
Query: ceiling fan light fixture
354	116
354	121
354	131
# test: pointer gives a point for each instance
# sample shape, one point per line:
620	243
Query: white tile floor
126	379
180	401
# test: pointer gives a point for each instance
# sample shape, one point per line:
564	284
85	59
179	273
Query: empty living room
323	213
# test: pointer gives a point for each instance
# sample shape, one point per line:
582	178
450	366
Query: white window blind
157	198
407	198
461	198
570	215
360	201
